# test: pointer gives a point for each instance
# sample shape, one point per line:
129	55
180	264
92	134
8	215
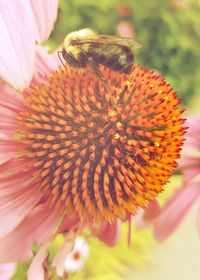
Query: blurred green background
168	30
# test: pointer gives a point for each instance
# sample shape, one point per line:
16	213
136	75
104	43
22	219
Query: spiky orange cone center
101	149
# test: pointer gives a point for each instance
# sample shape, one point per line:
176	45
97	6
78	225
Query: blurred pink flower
125	29
145	217
22	23
109	233
180	4
7	270
184	198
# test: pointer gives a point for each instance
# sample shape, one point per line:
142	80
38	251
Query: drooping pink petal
193	133
175	210
190	167
146	216
189	162
36	269
109	233
192	143
36	227
191	173
152	211
9	166
69	224
17	41
15	185
7	270
45	14
14	209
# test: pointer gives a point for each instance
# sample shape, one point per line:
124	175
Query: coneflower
97	149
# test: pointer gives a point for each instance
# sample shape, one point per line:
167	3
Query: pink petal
193	133
11	103
14	210
7	270
17	41
109	233
16	185
7	129
45	63
190	166
6	156
11	165
45	14
193	123
191	173
36	227
152	211
36	270
69	224
175	210
11	99
145	216
189	162
7	114
7	145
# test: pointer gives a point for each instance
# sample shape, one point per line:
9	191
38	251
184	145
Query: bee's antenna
60	57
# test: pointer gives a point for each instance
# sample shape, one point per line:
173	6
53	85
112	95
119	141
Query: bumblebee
86	47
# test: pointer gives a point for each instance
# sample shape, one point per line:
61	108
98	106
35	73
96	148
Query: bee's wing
109	40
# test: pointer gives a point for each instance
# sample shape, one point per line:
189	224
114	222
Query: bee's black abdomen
118	58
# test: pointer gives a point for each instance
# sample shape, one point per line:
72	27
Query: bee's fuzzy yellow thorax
77	35
81	34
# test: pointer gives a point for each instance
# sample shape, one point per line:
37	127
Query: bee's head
78	35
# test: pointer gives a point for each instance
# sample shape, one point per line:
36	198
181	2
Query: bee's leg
95	68
61	58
